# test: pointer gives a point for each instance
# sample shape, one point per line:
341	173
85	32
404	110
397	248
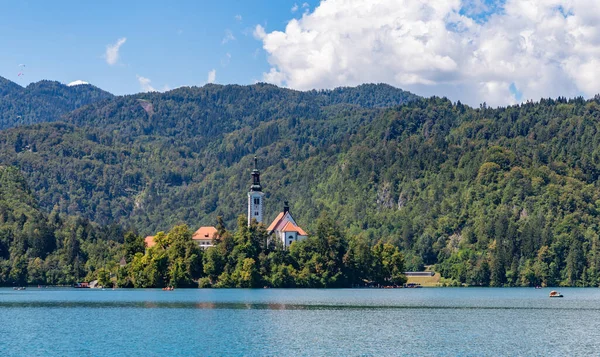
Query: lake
272	322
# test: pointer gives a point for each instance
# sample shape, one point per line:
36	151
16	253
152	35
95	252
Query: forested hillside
44	101
133	159
37	248
505	196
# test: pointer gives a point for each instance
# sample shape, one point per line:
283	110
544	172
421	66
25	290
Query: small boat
19	288
555	294
412	285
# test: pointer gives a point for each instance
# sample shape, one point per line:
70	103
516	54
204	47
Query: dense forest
48	249
44	101
489	196
107	161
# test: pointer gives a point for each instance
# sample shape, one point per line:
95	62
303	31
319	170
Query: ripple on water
417	322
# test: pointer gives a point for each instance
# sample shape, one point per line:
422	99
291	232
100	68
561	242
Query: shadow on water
258	306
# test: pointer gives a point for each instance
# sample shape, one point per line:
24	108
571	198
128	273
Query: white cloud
145	84
228	37
238	17
76	83
294	8
259	32
212	76
112	51
471	50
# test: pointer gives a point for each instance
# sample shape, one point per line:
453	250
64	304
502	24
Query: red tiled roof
275	222
290	227
204	233
149	241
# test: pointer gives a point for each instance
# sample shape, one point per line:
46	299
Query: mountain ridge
43	101
491	196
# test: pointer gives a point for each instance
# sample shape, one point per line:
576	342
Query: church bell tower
255	196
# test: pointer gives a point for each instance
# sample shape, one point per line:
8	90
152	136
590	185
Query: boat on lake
412	285
555	294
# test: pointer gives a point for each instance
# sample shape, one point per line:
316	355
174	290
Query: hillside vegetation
44	101
132	159
505	196
39	248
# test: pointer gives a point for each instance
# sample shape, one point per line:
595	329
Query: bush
204	283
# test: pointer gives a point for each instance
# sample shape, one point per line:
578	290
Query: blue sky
500	52
172	44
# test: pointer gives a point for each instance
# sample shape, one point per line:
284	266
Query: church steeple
256	177
255	196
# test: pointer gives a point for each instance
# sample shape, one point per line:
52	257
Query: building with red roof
149	240
285	229
204	236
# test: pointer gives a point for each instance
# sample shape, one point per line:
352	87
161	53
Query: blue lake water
272	322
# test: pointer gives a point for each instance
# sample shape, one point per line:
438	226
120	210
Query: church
284	228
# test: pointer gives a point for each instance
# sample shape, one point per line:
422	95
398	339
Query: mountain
107	162
44	101
504	196
213	110
7	87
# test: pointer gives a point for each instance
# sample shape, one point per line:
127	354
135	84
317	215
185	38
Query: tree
282	276
358	260
388	266
133	244
214	263
575	264
104	278
246	274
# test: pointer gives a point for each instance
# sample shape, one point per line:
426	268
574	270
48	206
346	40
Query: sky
501	52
